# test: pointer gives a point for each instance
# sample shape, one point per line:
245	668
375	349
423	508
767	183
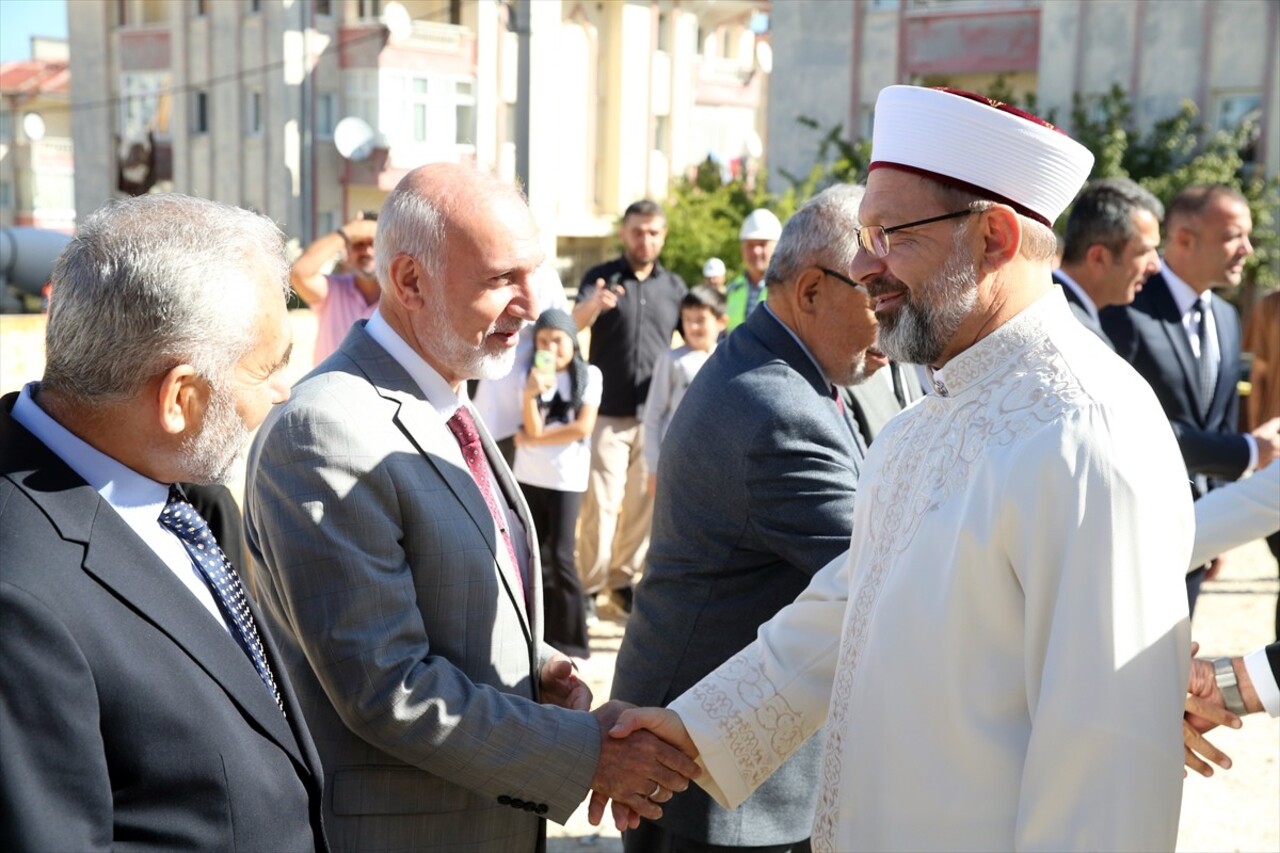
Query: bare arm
305	275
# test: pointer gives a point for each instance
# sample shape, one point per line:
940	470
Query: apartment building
36	163
239	100
832	58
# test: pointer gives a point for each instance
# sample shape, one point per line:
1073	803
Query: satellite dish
33	126
353	138
764	56
397	21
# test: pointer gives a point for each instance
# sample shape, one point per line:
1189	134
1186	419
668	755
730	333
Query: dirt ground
1236	810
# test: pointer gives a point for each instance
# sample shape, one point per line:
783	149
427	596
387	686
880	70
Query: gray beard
919	332
468	361
209	456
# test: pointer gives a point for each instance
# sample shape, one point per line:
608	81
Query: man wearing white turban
1000	659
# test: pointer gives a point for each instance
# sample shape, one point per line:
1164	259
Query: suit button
529	807
517	803
504	800
542	808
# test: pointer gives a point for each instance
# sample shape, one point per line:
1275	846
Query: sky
22	19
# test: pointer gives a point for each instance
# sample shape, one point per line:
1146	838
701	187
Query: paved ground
1235	810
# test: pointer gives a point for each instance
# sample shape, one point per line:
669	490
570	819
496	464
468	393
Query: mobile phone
544	362
369	215
613	283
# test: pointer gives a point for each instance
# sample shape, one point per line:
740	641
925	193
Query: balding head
456	249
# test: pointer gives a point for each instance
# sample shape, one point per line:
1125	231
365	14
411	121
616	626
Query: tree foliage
704	213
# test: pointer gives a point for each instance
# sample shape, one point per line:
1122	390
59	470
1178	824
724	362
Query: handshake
646	755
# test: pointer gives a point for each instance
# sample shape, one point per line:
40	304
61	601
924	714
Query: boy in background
702	322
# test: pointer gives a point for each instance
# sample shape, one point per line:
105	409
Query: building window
255	6
253	114
664	34
660	132
202	8
328	221
1241	112
6	194
122	12
6	125
326	114
464	113
418	97
370	8
200	112
324	7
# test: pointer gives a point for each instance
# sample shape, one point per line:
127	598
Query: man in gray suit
1110	248
745	515
399	567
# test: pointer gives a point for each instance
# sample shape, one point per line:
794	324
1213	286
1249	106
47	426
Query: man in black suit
1110	248
142	703
1186	342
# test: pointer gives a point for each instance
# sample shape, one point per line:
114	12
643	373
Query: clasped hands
646	755
1205	709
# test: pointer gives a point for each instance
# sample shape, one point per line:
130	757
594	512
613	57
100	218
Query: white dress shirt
137	499
442	398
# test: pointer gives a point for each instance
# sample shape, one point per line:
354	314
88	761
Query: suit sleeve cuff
1253	452
1264	681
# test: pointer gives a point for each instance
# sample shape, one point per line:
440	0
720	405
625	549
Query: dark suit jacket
129	718
755	495
1149	335
1081	312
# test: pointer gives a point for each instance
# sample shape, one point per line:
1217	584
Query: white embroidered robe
1003	655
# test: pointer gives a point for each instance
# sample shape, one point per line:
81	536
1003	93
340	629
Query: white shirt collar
1184	296
432	384
1079	292
119	485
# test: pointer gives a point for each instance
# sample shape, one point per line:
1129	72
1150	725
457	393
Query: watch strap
1225	675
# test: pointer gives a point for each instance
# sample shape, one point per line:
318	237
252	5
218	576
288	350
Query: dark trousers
1195	579
555	517
651	838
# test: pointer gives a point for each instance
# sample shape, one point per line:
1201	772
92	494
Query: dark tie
222	578
1208	362
463	427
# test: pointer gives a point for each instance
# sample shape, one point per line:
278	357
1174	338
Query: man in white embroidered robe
1001	659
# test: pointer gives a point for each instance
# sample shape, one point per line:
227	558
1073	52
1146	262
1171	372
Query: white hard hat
760	224
713	266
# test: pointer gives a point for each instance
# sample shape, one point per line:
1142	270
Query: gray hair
1103	215
152	282
1039	243
414	222
822	232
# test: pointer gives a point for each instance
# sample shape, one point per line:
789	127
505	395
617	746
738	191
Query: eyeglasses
361	245
846	280
874	239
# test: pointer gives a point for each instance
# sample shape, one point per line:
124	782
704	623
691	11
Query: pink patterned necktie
463	427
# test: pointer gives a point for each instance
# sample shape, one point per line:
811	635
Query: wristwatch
1225	674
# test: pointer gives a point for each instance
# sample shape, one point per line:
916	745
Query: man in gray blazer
1110	248
399	567
755	495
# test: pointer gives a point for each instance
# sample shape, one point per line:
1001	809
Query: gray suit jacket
755	495
402	622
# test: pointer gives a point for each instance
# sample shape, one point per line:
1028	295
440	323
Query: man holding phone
347	294
632	306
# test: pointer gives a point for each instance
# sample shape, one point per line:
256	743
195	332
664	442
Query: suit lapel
1166	311
1228	332
122	562
416	418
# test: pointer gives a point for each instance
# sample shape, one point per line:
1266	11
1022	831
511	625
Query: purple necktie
463	427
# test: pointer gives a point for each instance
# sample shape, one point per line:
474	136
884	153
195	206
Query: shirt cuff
1253	452
1264	681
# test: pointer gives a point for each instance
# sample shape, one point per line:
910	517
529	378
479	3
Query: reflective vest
736	295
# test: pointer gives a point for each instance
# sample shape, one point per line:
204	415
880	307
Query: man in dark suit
142	703
744	517
399	562
1186	342
1110	248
